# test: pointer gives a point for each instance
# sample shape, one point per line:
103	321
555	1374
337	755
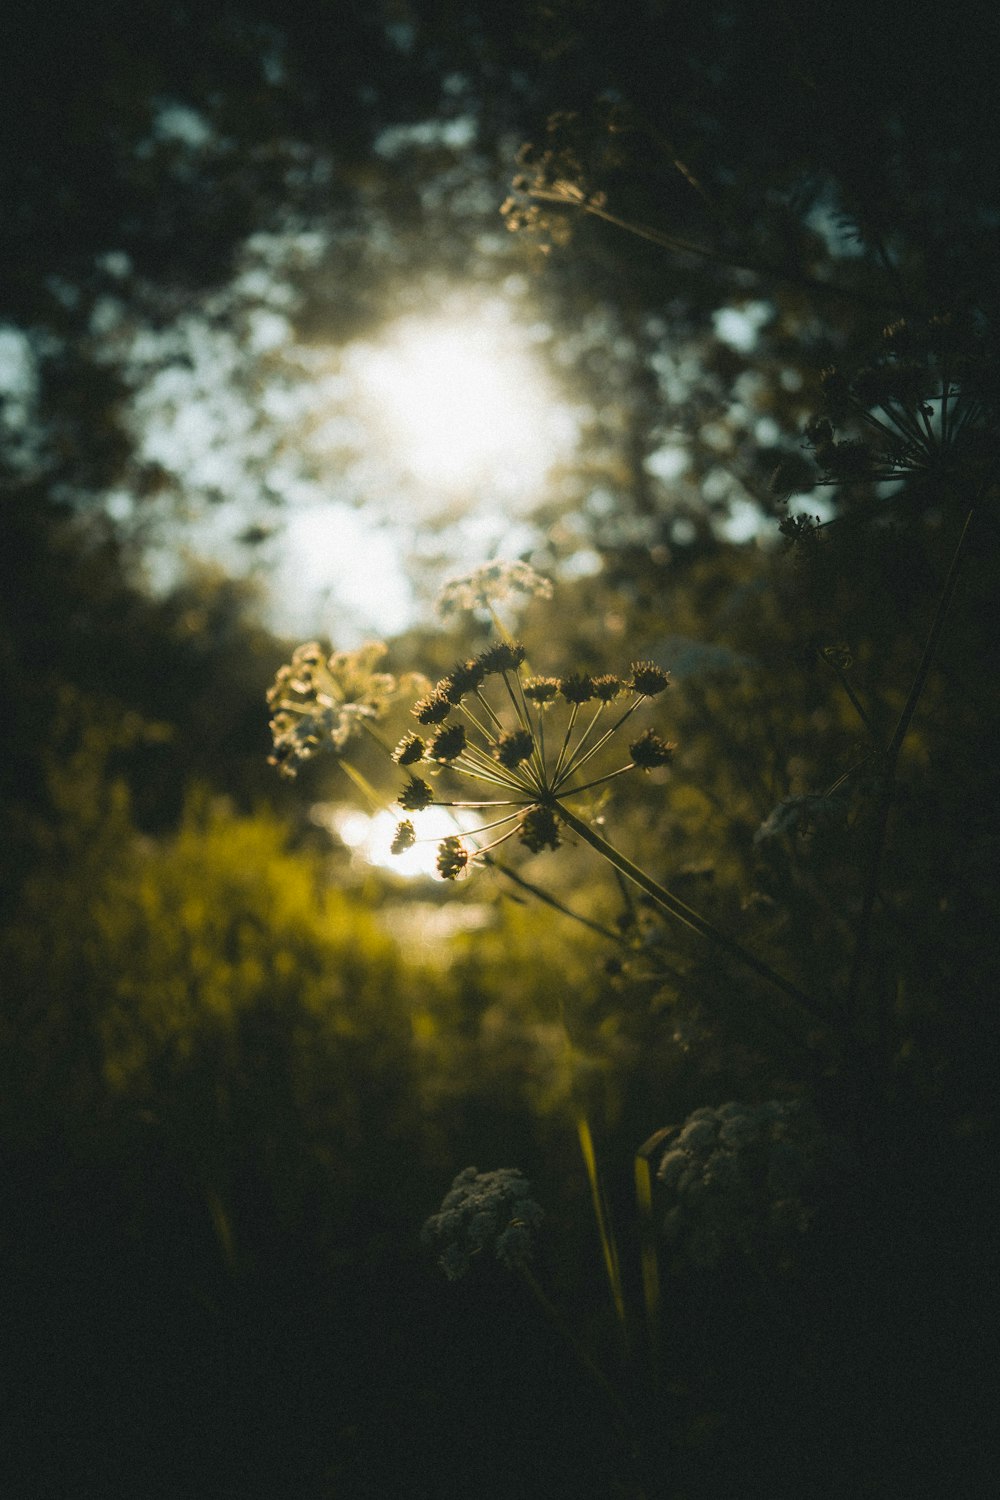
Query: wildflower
448	743
577	687
504	656
492	583
648	679
650	750
743	1179
409	750
416	795
433	709
318	702
541	689
404	838
606	687
522	779
484	1211
464	677
539	830
919	407
452	858
514	746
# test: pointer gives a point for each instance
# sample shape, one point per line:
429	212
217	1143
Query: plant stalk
681	912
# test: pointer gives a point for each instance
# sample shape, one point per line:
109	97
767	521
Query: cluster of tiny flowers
484	1211
525	744
318	702
741	1178
492	583
555	176
925	405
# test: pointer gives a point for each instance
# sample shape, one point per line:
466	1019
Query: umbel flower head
743	1179
496	582
923	406
523	745
318	702
484	1211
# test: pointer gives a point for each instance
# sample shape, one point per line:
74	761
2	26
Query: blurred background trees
239	1064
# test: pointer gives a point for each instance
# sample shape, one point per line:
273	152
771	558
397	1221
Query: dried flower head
505	656
409	750
539	830
541	689
578	687
606	687
416	795
922	405
433	709
464	677
526	745
448	743
319	702
404	838
484	1211
452	858
647	679
493	583
650	750
514	746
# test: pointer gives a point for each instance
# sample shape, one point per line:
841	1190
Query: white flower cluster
742	1177
492	583
482	1211
319	702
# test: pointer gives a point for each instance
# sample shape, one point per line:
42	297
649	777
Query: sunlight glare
463	401
370	838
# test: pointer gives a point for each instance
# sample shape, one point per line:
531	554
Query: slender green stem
856	703
889	763
705	252
543	895
684	913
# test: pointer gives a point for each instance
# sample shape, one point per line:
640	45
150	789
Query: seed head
447	743
404	838
648	679
578	687
541	689
607	687
539	829
416	795
464	677
504	656
433	709
409	750
513	747
649	751
452	858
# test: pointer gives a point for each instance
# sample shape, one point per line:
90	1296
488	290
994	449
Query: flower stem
889	763
684	913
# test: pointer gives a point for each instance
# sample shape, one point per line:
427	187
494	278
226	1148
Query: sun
431	444
461	400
